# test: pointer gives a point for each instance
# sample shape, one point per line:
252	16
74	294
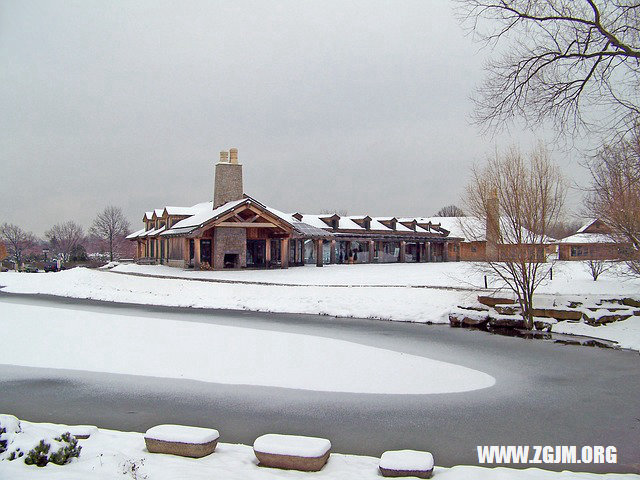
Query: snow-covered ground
81	340
568	277
110	454
400	292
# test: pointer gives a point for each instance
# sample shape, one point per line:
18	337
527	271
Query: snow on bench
291	452
406	463
181	440
82	432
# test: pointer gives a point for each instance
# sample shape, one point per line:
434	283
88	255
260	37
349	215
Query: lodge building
237	231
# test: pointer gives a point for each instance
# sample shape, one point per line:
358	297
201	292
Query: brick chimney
492	227
228	179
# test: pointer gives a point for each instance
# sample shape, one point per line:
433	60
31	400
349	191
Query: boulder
462	318
507	309
406	463
493	301
292	452
541	325
506	321
631	302
181	440
558	314
605	319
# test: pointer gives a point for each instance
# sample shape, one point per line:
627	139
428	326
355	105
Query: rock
181	440
506	322
406	463
493	301
630	302
291	452
605	319
462	318
542	325
507	309
557	313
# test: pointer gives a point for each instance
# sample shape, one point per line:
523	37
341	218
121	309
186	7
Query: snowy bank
110	454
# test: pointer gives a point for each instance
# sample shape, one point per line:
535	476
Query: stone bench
181	440
291	452
82	432
406	463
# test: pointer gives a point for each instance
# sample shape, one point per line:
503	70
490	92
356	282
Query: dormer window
334	223
367	224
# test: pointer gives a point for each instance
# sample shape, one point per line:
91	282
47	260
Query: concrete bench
406	463
291	452
181	440
82	432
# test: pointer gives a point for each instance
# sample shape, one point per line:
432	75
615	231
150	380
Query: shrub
68	449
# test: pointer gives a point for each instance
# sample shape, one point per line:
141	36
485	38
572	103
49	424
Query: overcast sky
360	106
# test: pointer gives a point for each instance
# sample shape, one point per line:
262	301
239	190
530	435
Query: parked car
50	266
29	268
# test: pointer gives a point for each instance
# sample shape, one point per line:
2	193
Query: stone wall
229	240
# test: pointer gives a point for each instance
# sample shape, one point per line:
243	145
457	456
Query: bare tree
65	237
518	199
17	241
564	228
112	227
597	267
450	211
561	60
614	196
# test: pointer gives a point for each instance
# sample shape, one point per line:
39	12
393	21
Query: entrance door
256	253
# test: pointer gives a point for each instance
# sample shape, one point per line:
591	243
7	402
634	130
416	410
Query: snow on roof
314	220
204	215
345	223
587	238
153	232
587	225
148	215
377	226
136	234
180	210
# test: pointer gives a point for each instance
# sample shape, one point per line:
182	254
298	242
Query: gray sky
360	106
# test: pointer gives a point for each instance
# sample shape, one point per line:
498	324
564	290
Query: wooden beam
319	255
247	224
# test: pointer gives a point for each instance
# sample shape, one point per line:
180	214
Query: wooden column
403	245
332	253
267	252
428	251
371	251
196	253
445	252
284	252
185	252
319	258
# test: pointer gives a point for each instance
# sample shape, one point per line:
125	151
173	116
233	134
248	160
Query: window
579	251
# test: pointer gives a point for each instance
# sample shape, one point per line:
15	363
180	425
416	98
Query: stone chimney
228	179
492	227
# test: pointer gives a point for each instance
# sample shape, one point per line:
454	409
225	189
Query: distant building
594	241
495	241
237	231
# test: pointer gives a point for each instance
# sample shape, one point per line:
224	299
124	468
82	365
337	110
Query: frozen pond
545	393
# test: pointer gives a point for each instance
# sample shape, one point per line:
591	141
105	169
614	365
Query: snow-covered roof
153	232
204	215
473	229
180	211
136	234
587	225
581	238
